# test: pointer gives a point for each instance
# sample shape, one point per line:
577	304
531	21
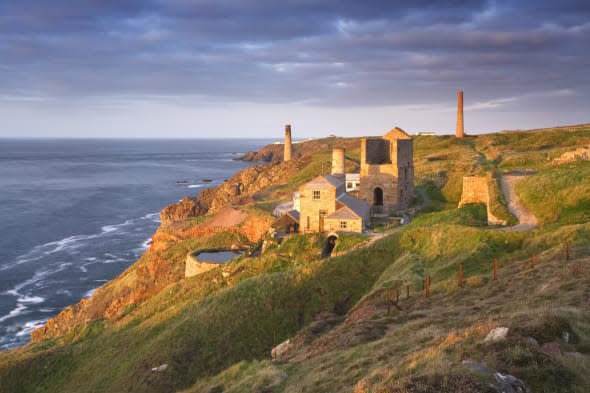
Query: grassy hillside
215	331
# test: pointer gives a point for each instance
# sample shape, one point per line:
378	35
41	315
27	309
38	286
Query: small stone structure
193	266
288	148
459	129
581	154
476	190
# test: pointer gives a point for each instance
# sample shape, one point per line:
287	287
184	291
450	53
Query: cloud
330	53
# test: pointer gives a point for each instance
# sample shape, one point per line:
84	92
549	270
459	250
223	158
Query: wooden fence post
460	275
495	270
427	287
568	251
408	291
533	260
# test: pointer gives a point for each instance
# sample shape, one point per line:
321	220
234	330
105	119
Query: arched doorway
377	197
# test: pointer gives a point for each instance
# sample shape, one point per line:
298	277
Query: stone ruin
476	190
580	154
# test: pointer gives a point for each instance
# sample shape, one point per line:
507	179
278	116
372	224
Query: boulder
277	352
496	334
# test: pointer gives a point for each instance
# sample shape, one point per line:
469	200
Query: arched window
378	197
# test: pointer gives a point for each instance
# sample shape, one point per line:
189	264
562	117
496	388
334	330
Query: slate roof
358	207
344	213
323	182
294	214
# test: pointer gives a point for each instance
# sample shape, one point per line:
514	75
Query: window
316	194
308	223
349	185
323	213
343	225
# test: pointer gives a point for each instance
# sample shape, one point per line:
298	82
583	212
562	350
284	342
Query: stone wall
476	190
393	173
404	162
193	266
310	208
351	225
581	154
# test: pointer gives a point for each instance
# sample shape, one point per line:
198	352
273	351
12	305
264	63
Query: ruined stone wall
476	190
404	163
378	151
395	178
581	154
193	266
310	208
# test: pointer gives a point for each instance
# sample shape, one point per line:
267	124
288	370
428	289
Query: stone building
346	201
325	206
387	171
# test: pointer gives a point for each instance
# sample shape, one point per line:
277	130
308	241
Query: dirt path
526	219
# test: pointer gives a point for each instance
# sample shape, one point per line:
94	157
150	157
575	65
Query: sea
75	213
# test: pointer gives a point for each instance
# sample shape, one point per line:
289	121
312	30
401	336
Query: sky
243	68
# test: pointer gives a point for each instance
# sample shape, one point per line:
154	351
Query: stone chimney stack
338	161
287	154
459	131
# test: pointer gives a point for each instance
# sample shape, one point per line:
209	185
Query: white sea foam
90	292
30	326
71	243
31	299
195	185
14	313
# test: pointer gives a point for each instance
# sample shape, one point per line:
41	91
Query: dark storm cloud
324	52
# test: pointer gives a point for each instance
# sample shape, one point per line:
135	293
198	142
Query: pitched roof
397	133
344	213
322	182
294	214
359	207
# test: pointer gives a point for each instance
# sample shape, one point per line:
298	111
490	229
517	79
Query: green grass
498	204
215	330
559	195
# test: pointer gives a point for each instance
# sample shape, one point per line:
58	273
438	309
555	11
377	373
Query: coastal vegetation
351	324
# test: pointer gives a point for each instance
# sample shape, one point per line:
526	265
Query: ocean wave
71	244
28	327
90	292
195	185
19	310
31	299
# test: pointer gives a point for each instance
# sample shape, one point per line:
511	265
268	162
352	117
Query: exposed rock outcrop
238	188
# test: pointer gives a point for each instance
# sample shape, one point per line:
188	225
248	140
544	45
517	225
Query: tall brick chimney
338	161
287	153
459	131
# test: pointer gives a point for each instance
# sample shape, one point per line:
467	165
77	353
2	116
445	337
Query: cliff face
163	264
160	267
